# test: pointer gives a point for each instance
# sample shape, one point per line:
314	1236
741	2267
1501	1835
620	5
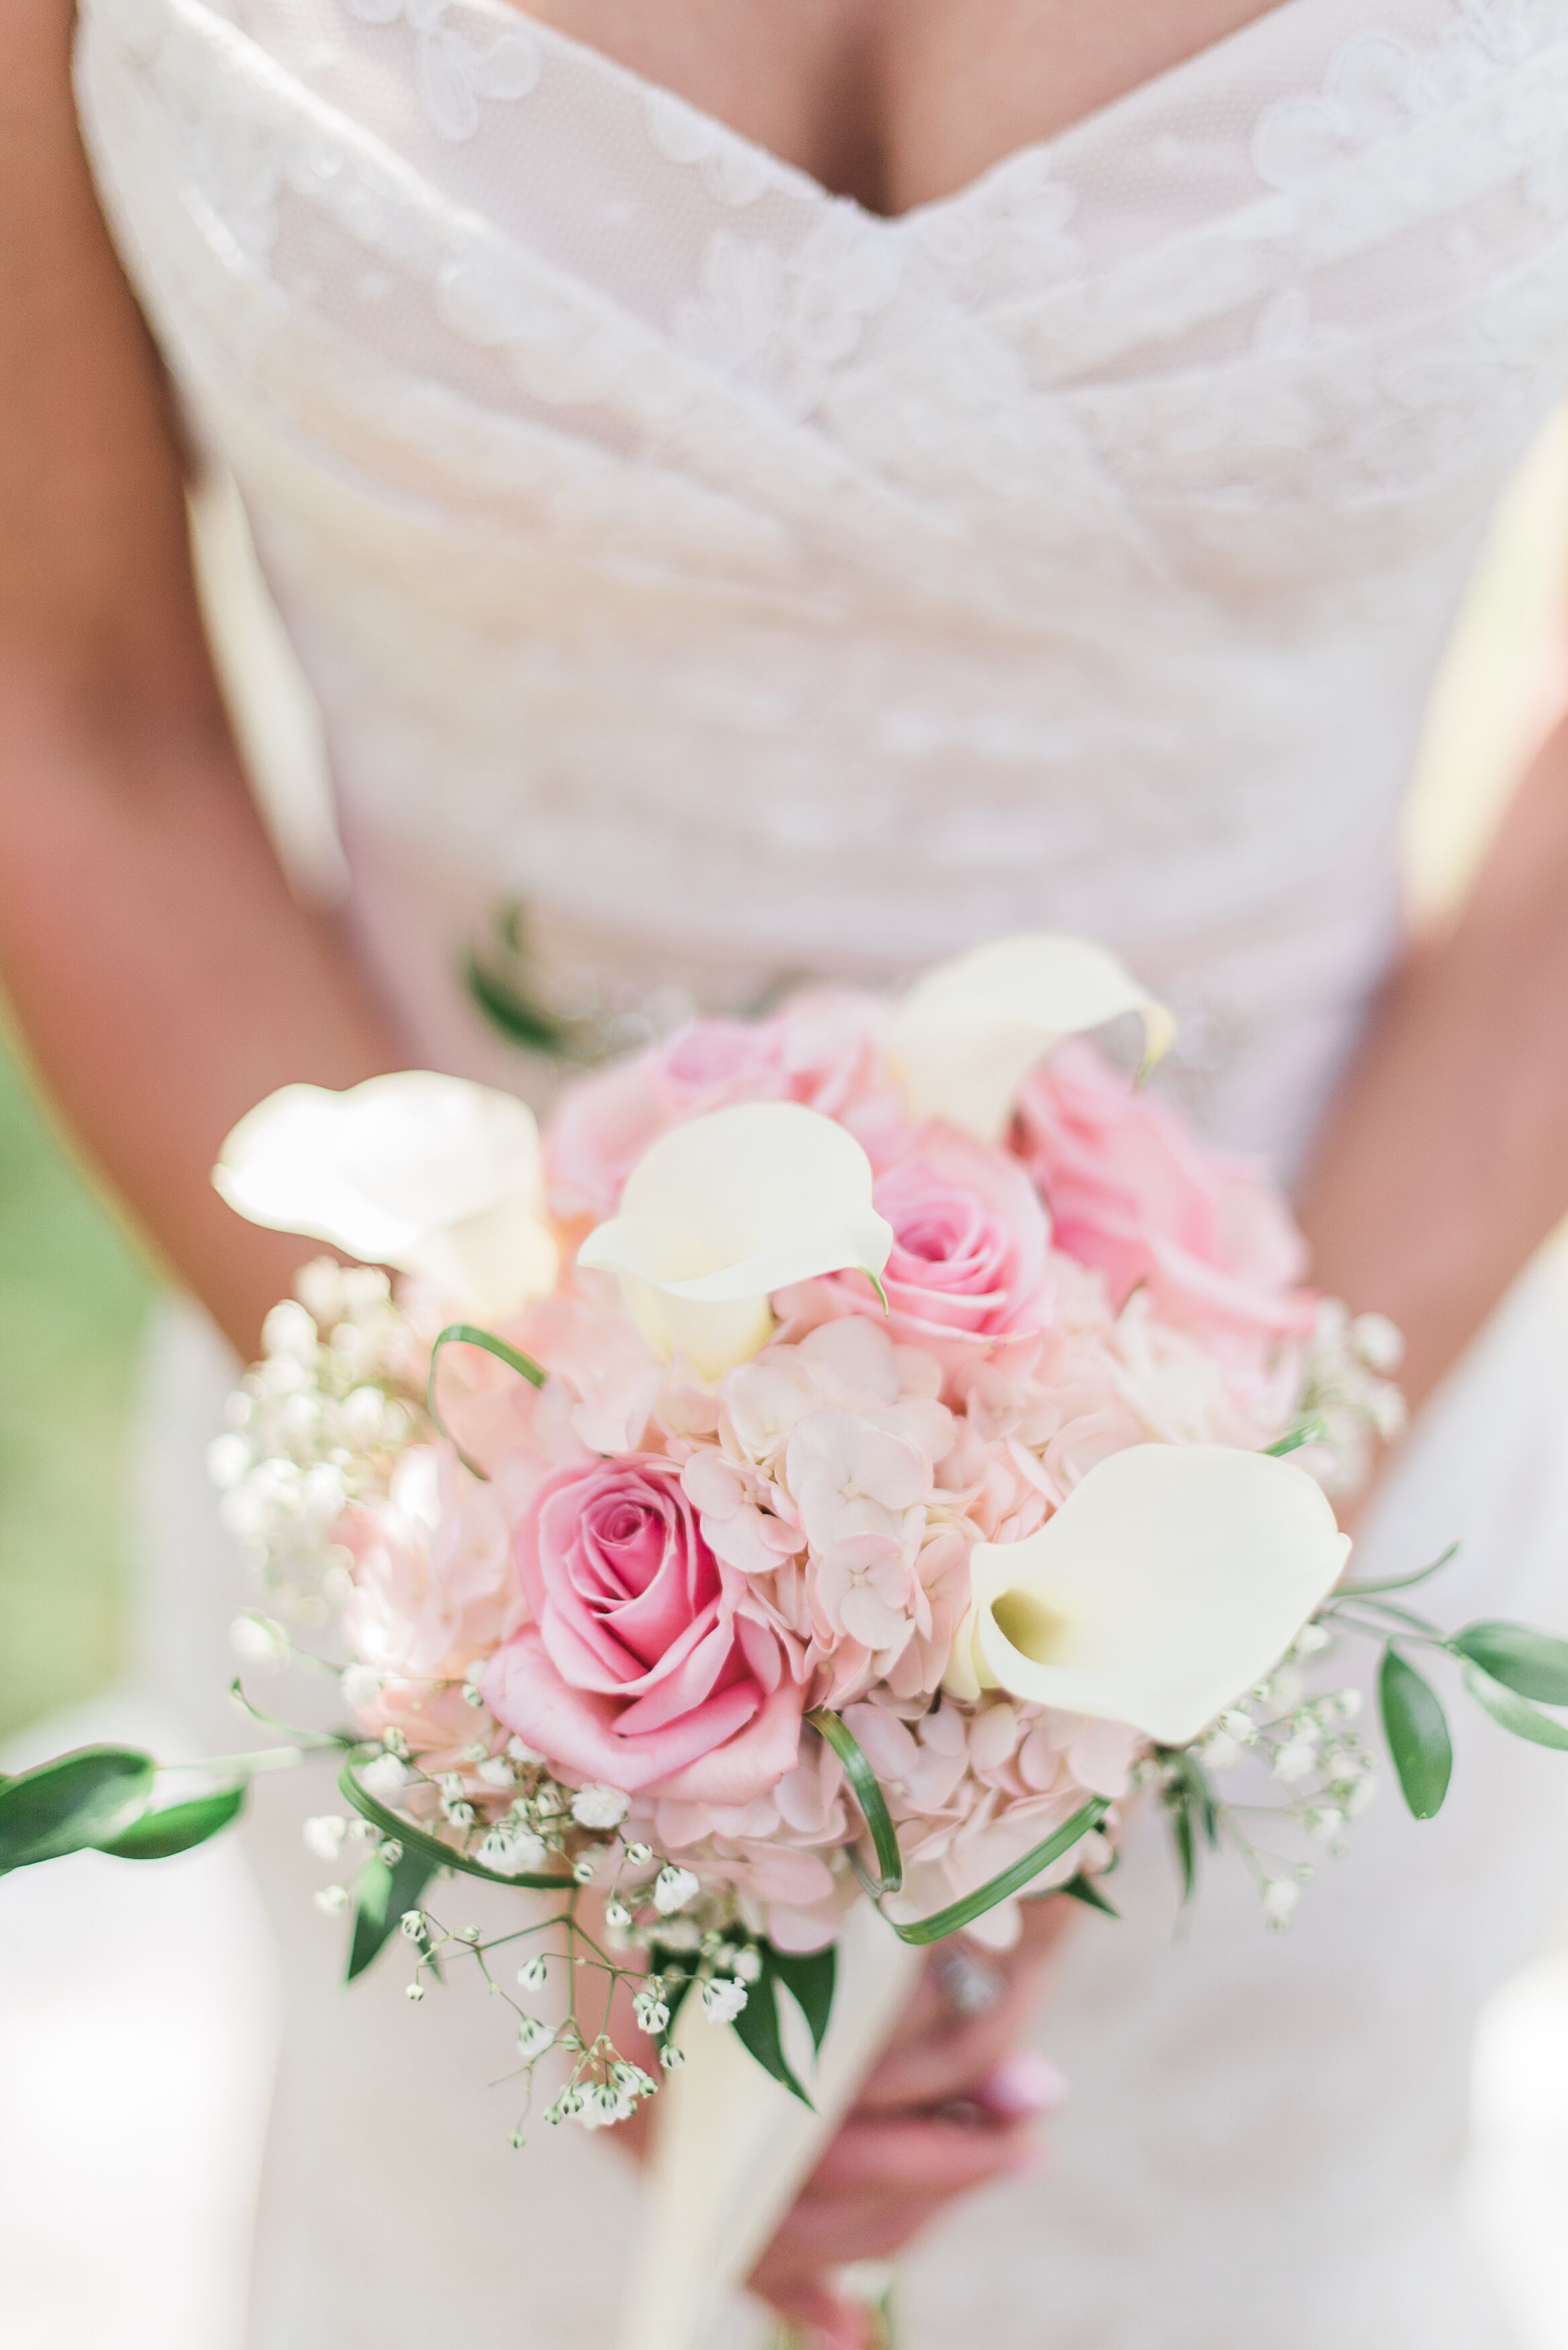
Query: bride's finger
832	2232
926	2067
936	2016
920	2154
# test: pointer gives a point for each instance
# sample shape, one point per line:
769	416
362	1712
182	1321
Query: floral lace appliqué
456	73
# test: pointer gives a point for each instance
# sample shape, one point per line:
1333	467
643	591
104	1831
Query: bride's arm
163	975
1443	1163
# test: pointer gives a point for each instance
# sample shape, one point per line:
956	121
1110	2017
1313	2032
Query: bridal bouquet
841	1465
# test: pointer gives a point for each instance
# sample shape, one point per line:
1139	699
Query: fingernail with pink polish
1024	2084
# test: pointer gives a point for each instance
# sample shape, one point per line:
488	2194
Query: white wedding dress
753	586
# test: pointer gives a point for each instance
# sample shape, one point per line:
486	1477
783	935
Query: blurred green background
74	1294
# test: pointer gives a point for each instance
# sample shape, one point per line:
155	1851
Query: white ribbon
733	2147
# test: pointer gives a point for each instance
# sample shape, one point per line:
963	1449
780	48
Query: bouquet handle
732	2147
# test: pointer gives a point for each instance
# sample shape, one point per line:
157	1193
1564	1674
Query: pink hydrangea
972	1792
776	1850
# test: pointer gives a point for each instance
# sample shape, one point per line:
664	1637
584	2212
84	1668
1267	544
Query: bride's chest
897	103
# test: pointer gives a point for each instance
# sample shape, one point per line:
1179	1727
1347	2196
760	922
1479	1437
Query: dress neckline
1226	48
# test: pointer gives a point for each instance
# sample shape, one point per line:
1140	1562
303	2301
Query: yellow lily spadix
968	1033
727	1209
1169	1583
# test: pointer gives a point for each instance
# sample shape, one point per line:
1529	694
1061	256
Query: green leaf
177	1827
1000	1887
757	2029
72	1803
810	1978
1418	1733
867	1792
381	1895
1205	1803
520	1022
1184	1835
1292	1441
1533	1663
466	1334
1193	1812
1515	1713
1087	1889
439	1854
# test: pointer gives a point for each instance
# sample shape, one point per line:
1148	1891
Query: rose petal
578	1730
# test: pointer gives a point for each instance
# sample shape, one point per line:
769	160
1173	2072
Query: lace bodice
755	586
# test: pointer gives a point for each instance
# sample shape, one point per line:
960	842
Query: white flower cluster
1309	1748
317	1423
1348	1392
651	1905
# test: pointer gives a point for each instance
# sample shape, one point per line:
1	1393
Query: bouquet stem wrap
733	2147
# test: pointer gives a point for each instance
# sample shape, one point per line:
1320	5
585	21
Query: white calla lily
1171	1580
727	1209
428	1173
968	1033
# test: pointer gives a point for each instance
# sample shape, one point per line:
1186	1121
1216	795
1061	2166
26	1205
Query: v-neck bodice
1214	56
755	586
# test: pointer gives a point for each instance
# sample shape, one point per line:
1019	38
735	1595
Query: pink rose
972	1247
1133	1193
821	1049
645	1665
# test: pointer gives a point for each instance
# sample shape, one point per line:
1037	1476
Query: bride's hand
950	2106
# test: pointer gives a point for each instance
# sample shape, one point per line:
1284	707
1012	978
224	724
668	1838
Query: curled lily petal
727	1209
428	1173
1172	1579
968	1033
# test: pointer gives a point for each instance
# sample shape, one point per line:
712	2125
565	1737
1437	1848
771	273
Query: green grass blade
439	1854
467	1334
868	1795
1000	1887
